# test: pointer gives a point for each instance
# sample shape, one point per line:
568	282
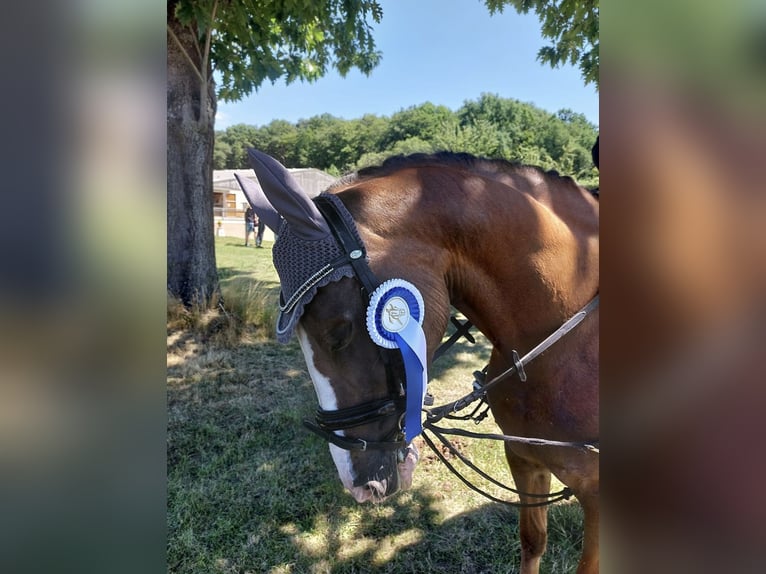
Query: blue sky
442	51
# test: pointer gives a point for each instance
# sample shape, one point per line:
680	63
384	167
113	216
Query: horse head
512	247
324	302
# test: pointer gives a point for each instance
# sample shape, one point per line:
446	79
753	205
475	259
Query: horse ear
259	202
287	197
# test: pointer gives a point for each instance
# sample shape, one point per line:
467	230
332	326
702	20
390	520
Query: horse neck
514	262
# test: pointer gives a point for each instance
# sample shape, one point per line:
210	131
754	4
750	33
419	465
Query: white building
229	202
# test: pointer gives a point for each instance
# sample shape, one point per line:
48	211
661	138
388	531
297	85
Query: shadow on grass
249	490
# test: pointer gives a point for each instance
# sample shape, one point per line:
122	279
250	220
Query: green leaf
299	39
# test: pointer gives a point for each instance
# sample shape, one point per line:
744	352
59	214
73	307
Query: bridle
327	422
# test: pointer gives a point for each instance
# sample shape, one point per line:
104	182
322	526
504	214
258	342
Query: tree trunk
192	274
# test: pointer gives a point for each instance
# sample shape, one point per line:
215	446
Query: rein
479	394
438	413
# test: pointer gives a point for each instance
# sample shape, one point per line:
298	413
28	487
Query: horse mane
486	166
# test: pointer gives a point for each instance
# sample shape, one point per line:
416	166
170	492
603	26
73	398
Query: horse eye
339	336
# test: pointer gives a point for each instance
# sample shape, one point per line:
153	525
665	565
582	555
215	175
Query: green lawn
250	490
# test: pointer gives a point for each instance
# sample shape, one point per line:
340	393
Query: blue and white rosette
394	321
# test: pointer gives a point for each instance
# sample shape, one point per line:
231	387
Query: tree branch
186	54
196	44
208	35
204	88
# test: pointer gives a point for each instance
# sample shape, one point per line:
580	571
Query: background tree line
490	126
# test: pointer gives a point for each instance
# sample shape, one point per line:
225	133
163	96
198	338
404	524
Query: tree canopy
249	42
489	126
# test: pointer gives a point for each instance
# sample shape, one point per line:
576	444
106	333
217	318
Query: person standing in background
259	236
249	224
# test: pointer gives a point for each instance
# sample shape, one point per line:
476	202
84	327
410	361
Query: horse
513	247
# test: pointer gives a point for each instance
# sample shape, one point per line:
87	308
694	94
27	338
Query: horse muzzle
400	478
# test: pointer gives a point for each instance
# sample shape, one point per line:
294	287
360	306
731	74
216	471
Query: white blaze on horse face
329	402
322	385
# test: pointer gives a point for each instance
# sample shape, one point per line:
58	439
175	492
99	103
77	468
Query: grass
249	490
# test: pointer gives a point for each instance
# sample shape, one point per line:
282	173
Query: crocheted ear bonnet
306	254
304	266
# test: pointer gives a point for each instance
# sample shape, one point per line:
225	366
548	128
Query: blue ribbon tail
412	343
